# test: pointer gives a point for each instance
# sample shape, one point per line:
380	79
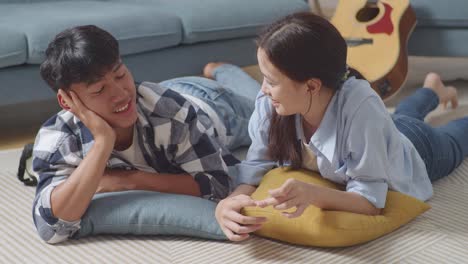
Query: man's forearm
243	189
70	199
159	182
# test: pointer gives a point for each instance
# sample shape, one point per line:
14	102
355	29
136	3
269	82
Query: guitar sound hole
367	13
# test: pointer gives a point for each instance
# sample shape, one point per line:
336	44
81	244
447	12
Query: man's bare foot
445	93
210	67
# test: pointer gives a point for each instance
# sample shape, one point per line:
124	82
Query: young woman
312	113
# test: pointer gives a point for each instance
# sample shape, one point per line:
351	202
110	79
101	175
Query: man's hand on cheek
100	129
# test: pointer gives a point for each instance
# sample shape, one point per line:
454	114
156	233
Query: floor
438	236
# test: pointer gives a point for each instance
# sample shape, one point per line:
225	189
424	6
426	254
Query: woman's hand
235	225
292	193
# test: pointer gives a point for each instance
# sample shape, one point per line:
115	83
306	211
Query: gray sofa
442	28
159	39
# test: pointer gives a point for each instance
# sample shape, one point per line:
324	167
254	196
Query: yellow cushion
317	227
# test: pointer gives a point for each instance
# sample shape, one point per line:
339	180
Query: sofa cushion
439	41
451	13
36	1
206	20
13	47
137	28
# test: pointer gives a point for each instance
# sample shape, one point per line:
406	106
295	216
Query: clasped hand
236	227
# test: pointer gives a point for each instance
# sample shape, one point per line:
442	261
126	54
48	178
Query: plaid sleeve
54	159
199	153
189	139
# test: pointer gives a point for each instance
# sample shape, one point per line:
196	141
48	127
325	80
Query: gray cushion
438	13
13	47
138	28
150	213
206	20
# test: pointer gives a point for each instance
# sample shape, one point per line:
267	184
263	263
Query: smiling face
288	97
112	97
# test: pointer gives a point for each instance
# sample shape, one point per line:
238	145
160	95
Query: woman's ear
314	85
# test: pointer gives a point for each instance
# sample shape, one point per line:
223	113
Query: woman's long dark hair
302	46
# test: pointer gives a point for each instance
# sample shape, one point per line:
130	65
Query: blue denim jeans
231	95
442	148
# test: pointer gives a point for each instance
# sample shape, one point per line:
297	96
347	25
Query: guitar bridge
353	42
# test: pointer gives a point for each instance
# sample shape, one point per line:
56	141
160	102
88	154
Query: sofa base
26	100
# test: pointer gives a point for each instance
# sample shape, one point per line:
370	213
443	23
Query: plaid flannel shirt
175	136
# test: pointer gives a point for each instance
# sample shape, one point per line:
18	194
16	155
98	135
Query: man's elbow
49	234
54	234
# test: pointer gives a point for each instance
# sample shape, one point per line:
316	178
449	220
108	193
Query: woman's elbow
373	211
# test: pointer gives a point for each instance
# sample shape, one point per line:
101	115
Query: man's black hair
80	54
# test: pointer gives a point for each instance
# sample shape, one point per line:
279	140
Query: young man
115	136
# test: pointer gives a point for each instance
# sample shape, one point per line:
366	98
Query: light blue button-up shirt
356	144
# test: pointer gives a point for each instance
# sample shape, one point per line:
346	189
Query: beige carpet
438	236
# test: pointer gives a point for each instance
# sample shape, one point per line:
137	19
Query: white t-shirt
134	155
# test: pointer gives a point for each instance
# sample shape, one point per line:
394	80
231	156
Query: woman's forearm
330	199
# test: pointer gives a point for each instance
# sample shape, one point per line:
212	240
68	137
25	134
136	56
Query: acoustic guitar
377	34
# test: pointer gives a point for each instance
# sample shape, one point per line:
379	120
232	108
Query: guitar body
377	34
